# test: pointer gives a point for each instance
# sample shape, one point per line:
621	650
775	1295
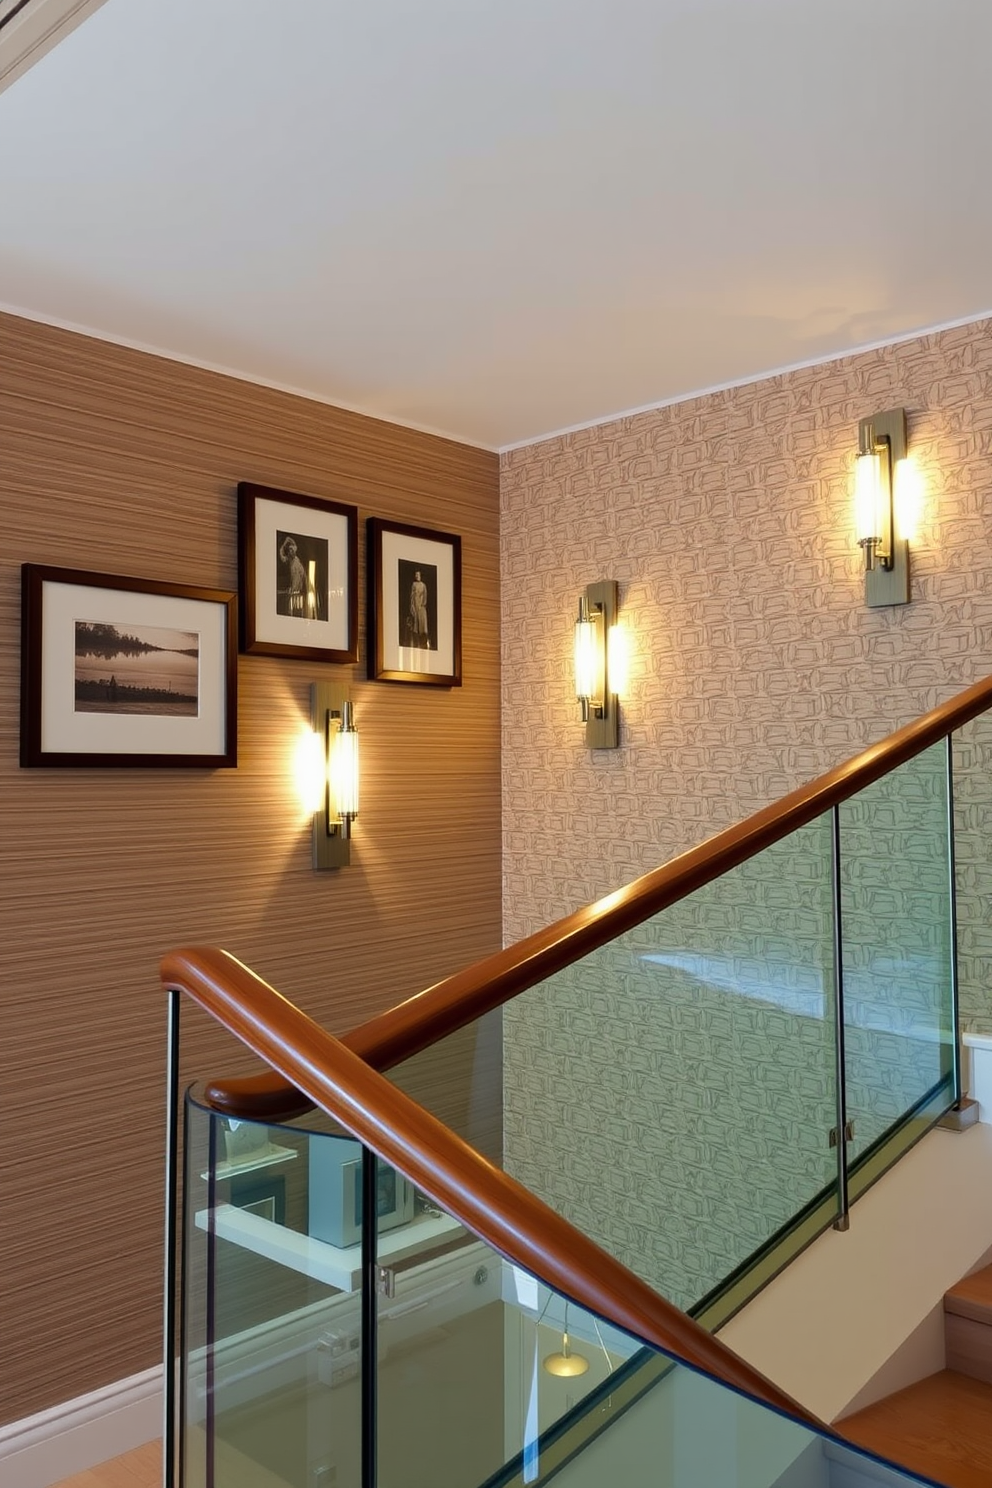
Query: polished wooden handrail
415	1024
487	1201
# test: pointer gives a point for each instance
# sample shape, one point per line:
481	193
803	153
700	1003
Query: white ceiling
499	218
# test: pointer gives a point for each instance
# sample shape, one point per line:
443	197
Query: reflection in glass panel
272	1391
673	1093
897	936
460	1080
440	1365
487	1376
972	756
484	1374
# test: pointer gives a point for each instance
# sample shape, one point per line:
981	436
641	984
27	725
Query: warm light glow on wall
309	771
910	499
618	659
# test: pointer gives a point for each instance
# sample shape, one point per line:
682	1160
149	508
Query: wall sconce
333	719
881	444
600	707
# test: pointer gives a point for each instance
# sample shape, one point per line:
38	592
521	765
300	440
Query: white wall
825	1327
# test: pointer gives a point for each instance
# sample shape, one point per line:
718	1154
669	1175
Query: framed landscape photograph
120	671
415	605
298	567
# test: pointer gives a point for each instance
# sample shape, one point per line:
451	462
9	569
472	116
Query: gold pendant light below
565	1364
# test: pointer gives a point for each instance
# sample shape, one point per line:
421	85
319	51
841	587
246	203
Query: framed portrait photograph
298	568
121	671
415	605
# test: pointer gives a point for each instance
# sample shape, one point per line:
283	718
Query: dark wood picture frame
298	575
415	604
162	705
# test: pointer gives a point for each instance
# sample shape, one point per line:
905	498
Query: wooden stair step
940	1427
971	1297
968	1325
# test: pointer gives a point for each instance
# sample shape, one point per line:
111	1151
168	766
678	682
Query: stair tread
971	1297
940	1427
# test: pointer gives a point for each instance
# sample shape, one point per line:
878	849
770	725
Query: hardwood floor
941	1426
141	1468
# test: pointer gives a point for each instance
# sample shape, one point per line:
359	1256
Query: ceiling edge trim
747	381
32	30
535	439
279	387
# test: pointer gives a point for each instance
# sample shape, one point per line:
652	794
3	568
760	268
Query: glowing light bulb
585	655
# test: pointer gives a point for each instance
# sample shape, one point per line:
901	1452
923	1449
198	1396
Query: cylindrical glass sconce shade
343	767
585	654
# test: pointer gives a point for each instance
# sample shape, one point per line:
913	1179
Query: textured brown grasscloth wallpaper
755	665
114	461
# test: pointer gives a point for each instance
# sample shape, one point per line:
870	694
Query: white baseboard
69	1438
837	1290
977	1071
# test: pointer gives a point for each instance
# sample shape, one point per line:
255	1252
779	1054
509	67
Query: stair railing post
843	1220
956	1066
171	1228
369	1371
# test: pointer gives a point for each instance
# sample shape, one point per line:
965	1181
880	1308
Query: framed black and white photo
298	565
121	671
415	605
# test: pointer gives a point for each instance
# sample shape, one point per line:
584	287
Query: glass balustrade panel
483	1374
486	1376
897	952
460	1080
673	1093
972	777
271	1392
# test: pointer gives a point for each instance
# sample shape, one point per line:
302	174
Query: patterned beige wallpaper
115	461
754	664
674	1094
